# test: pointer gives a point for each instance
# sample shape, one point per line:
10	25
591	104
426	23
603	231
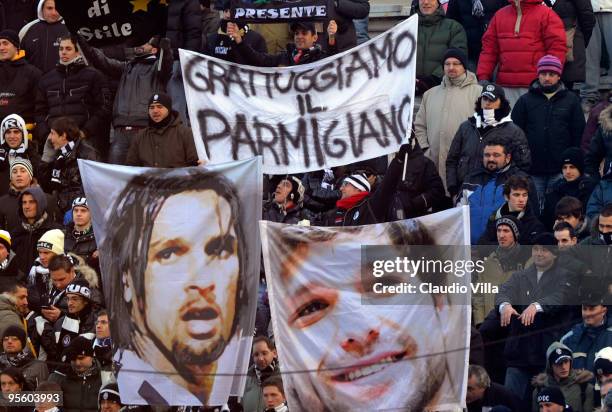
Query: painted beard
184	356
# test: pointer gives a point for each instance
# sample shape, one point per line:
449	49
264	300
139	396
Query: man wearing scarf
445	107
15	353
14	144
165	142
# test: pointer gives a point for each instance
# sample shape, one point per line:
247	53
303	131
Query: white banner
342	347
180	273
352	106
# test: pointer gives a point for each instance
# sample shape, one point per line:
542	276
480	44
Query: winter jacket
56	337
273	212
9	316
14	14
18	82
81	244
436	35
138	79
577	14
184	25
373	208
27	235
34	371
168	146
600	147
40	40
320	195
530	226
526	346
6	156
592	124
475	26
601	196
9	271
494	395
253	393
580	188
9	210
77	91
284	58
442	111
483	192
80	390
551	126
466	150
343	12
585	341
517	37
219	45
62	176
576	388
421	190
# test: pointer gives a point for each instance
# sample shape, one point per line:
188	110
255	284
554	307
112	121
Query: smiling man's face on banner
372	355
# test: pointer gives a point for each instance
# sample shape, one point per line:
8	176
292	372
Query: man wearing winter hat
165	142
18	79
109	398
455	98
551	399
14	145
286	206
16	353
552	119
8	261
79	236
529	302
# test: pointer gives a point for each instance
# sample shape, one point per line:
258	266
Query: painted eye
311	308
166	254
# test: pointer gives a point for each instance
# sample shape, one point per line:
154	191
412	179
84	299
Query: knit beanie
52	240
551	394
14	121
79	287
359	181
17	332
109	392
512	222
573	156
10	35
5	239
550	63
548	240
457	54
80	201
18	161
162	99
297	190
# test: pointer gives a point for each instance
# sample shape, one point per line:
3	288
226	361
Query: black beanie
10	35
513	223
109	392
574	156
79	346
16	331
551	394
163	99
548	240
457	54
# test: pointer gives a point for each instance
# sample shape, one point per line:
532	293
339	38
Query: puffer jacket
475	26
83	245
184	27
580	188
169	146
576	14
343	13
517	37
77	91
273	212
436	34
576	388
40	40
80	391
18	83
601	196
138	79
600	147
14	14
551	125
466	149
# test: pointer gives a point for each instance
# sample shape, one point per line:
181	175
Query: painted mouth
200	314
367	369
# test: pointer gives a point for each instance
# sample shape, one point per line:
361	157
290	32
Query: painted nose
360	347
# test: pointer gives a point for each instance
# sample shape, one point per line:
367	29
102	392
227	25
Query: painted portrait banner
180	273
279	11
343	347
352	106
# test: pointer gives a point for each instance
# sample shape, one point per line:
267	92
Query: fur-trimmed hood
576	376
605	119
87	272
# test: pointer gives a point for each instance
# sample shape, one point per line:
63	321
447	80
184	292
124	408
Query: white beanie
52	240
14	121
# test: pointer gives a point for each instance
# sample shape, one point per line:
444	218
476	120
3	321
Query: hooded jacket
600	147
40	40
576	388
465	153
517	37
585	341
8	313
25	151
601	196
18	83
551	126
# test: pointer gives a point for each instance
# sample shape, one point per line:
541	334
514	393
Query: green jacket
437	33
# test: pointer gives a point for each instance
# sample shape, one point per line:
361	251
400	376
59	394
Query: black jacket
580	188
18	82
62	176
475	26
138	78
601	145
526	345
5	176
25	239
78	91
344	12
56	337
222	47
9	210
80	391
284	58
465	153
41	43
184	27
14	14
494	395
421	189
83	245
273	213
530	226
551	126
371	209
319	197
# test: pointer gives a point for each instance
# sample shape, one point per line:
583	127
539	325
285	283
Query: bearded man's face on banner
191	279
376	356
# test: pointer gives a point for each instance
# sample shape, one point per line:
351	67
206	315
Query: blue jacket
585	342
602	195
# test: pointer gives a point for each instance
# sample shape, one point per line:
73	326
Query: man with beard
177	293
15	354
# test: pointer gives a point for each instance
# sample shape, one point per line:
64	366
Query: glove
404	150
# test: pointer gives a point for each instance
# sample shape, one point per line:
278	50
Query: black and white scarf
59	163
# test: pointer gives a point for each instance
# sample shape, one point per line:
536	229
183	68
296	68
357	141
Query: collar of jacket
431	19
470	79
536	88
